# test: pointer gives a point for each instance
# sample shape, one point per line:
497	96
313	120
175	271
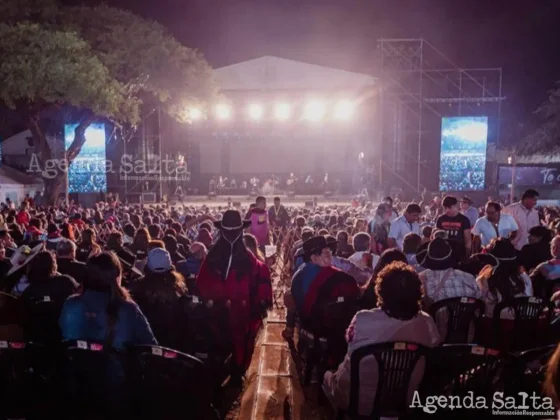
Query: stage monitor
463	153
86	173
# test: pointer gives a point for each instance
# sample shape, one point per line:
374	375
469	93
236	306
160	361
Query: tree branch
79	136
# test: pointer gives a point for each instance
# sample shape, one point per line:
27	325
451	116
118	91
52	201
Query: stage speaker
236	204
148	198
309	204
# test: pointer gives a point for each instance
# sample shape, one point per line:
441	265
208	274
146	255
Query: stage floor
299	200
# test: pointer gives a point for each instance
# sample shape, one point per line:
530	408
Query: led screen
86	173
463	153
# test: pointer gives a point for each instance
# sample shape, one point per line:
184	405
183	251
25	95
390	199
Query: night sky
521	36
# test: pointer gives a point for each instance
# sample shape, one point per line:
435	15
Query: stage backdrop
463	153
87	172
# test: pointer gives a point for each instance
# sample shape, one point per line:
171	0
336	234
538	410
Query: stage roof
274	73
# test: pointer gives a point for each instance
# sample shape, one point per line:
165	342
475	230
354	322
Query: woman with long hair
103	310
139	245
88	245
251	243
232	277
45	285
504	280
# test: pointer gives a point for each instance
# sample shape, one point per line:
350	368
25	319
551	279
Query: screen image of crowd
463	153
87	173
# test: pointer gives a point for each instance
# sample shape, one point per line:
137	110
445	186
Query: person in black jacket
67	263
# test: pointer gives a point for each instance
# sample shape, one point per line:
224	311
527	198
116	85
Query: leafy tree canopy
545	133
42	67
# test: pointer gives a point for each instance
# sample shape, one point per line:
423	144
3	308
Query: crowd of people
121	274
462	172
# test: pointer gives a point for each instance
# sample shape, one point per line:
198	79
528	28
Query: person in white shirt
362	245
493	225
402	226
525	215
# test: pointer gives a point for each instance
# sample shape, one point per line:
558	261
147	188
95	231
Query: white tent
16	185
274	73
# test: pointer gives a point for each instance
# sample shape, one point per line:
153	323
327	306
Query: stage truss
420	86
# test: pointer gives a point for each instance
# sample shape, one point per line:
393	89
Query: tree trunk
53	188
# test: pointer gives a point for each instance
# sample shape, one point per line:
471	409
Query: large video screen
463	153
86	173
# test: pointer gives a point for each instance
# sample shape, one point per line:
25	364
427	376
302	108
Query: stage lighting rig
282	111
314	111
256	111
344	110
223	112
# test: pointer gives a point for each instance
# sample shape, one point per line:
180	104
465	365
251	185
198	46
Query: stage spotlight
314	111
195	114
282	112
256	111
344	110
223	112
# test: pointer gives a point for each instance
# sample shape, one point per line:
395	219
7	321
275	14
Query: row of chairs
450	370
85	380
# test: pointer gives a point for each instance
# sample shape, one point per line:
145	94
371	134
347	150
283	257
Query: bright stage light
282	112
314	111
195	114
256	111
344	110
223	112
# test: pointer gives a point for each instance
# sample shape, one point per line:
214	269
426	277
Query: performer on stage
232	276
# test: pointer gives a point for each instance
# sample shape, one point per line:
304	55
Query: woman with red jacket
233	278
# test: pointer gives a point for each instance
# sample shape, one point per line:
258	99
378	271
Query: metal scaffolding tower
420	85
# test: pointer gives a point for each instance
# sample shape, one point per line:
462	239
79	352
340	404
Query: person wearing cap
232	277
441	277
525	215
469	210
402	226
160	295
317	283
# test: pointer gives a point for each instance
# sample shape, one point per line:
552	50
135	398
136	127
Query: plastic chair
322	344
396	363
95	381
169	382
457	369
462	315
40	321
531	320
527	369
24	380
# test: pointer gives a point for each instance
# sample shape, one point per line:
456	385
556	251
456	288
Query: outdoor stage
244	201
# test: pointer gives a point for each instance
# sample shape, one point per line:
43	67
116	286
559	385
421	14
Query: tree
135	63
544	134
44	68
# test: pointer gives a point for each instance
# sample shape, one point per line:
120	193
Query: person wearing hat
469	210
442	279
317	283
232	277
15	281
